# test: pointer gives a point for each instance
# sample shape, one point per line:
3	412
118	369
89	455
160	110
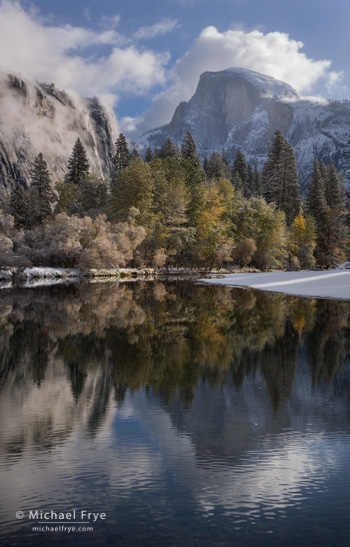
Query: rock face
38	118
241	109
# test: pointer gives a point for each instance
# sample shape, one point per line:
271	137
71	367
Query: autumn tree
213	245
302	242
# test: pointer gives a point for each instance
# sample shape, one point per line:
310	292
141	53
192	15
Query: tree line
169	209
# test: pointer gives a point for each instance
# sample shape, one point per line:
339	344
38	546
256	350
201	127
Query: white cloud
59	54
162	27
274	54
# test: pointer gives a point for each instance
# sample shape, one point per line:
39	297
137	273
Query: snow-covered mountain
241	109
38	118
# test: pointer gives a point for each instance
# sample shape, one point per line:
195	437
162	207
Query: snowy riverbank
324	284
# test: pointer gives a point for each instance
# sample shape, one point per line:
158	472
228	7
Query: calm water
189	415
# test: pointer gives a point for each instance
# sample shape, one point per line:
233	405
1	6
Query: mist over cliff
38	118
234	109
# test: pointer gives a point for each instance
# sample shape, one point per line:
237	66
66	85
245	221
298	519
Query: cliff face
238	109
38	118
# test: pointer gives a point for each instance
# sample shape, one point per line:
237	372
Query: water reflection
152	397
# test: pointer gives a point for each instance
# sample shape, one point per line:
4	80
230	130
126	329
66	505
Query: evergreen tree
121	158
225	158
237	183
251	181
240	166
216	168
168	150
333	189
288	199
133	188
41	192
19	206
316	201
269	168
149	155
93	195
332	239
281	178
134	155
257	181
188	148
78	164
323	172
171	201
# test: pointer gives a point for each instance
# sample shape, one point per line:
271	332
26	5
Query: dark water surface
189	415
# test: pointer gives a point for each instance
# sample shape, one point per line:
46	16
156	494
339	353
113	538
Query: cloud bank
109	64
71	56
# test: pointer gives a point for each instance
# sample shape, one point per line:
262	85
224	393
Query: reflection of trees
166	337
278	366
327	342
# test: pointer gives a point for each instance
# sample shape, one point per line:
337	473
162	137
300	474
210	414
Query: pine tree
188	148
78	164
149	155
121	158
333	189
251	181
269	168
41	192
316	201
134	188
240	166
168	150
281	179
237	182
257	181
19	206
134	155
288	199
216	168
225	158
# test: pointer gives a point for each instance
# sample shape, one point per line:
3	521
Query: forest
170	210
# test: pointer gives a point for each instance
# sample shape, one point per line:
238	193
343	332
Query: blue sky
145	57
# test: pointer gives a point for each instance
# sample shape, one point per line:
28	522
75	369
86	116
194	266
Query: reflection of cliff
65	351
42	416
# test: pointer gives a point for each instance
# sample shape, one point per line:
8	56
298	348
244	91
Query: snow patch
320	284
